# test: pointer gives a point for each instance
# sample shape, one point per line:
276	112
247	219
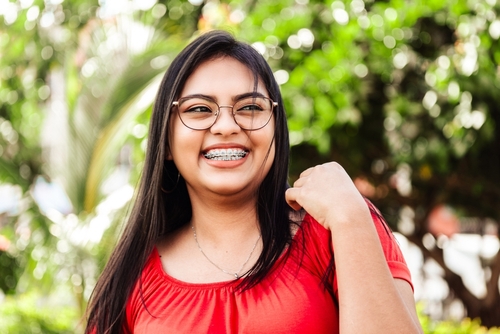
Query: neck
227	233
222	220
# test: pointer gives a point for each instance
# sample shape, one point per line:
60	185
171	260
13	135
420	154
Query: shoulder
312	226
312	245
148	277
317	238
390	246
384	231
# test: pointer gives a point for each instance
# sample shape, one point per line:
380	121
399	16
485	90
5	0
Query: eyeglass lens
249	113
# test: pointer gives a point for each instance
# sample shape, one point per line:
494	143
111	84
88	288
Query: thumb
291	198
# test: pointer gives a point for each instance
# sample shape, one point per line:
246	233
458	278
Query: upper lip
225	146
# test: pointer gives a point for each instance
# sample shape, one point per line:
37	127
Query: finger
306	172
302	178
299	182
290	197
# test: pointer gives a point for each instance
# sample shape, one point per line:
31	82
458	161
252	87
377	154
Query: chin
234	189
230	191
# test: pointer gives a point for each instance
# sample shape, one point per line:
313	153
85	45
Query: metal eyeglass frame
217	113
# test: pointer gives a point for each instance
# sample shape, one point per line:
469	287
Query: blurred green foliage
465	326
26	314
404	94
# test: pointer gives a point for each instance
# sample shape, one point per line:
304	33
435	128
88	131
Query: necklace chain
235	274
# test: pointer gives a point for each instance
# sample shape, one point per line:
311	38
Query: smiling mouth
225	155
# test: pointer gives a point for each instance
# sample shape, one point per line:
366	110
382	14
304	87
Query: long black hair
156	212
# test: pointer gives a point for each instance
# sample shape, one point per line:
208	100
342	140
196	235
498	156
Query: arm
370	300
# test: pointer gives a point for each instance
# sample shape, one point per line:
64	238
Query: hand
328	194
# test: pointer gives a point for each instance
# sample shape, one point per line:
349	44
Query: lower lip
225	163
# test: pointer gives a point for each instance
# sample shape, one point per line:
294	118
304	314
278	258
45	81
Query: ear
168	155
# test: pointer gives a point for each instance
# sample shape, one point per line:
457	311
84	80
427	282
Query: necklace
235	274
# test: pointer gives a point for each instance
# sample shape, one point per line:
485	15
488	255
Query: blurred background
405	94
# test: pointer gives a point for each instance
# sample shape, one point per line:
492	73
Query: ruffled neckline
158	268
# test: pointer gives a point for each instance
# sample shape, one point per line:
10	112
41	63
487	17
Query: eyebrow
234	98
250	94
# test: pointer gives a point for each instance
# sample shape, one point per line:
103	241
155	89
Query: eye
251	105
198	109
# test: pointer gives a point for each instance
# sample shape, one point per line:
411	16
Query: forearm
369	299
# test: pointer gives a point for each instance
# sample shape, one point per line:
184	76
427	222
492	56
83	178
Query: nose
225	122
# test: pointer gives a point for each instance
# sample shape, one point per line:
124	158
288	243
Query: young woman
216	243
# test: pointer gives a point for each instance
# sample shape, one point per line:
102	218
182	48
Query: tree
404	95
82	80
401	93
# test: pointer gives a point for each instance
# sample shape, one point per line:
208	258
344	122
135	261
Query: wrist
353	221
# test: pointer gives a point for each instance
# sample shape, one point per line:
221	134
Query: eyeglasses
200	113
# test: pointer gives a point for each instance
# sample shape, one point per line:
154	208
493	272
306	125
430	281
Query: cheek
182	143
178	139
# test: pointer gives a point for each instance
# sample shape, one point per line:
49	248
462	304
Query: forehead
222	77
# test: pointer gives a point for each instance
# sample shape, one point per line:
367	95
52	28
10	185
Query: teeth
226	155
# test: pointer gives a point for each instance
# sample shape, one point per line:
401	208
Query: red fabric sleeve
392	252
318	247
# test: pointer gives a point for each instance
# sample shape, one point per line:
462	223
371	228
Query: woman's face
224	159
